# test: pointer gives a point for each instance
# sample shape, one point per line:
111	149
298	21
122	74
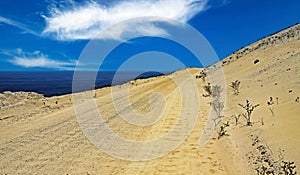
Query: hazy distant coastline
60	82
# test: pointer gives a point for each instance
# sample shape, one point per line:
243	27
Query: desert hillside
269	75
42	136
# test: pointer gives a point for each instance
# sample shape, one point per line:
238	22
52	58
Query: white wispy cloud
18	25
87	20
38	59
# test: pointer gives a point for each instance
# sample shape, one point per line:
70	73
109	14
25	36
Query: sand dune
42	136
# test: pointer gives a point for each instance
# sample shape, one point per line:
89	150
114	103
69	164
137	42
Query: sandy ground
42	136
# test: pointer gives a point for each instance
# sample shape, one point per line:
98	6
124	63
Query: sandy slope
52	143
277	75
41	135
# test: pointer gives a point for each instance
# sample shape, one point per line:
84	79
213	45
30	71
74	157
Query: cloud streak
86	21
38	60
18	25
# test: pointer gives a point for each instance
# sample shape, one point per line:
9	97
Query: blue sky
49	35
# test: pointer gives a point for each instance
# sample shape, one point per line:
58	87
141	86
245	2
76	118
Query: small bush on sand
249	110
213	91
235	85
207	88
217	106
216	91
223	132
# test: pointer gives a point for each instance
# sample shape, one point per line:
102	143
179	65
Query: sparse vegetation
218	107
213	91
272	110
265	161
256	61
96	87
207	88
217	104
255	140
249	110
237	118
223	132
288	168
216	91
270	102
202	75
235	85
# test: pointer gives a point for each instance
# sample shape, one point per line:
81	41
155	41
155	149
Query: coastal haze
41	135
60	83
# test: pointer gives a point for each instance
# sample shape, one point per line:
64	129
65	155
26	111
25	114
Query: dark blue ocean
60	83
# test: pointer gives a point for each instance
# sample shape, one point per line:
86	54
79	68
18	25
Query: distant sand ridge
42	136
